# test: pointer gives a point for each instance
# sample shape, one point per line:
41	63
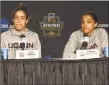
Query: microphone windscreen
84	44
22	36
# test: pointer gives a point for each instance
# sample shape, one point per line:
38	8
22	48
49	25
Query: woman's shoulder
101	31
5	33
76	33
30	32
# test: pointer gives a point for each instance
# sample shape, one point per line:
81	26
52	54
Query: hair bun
22	6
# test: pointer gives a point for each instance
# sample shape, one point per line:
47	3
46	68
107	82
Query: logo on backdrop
51	25
4	25
103	25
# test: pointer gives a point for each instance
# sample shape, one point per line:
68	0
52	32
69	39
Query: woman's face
88	24
20	20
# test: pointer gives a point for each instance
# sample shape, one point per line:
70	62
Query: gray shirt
11	39
98	40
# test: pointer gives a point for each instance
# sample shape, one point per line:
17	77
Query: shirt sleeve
105	39
70	47
2	42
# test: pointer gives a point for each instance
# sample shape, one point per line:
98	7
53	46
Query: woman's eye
89	21
82	22
15	17
22	18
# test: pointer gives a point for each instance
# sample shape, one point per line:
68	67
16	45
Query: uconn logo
17	45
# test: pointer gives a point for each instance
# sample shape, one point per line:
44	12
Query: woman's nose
85	24
19	20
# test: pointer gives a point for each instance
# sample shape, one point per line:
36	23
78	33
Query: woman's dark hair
92	15
21	7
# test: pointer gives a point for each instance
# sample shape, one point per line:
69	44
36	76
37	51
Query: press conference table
54	72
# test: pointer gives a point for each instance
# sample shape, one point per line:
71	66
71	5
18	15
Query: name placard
86	54
27	54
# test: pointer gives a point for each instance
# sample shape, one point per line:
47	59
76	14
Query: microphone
85	40
23	40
